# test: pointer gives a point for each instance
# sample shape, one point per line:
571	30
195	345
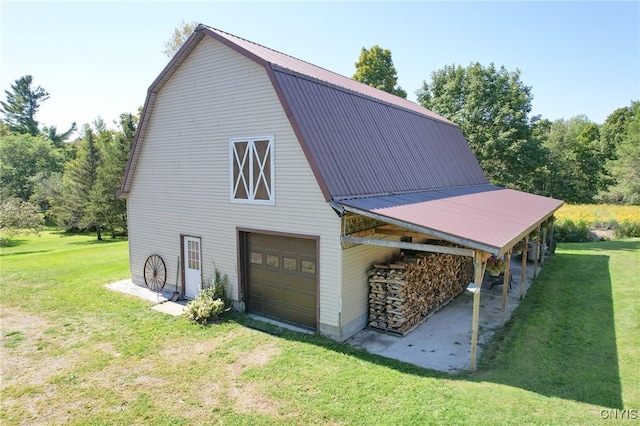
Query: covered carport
482	221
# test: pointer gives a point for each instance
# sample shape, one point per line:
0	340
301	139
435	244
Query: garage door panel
307	285
307	301
307	320
258	294
256	304
289	297
282	281
273	292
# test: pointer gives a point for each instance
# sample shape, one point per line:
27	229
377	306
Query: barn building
294	180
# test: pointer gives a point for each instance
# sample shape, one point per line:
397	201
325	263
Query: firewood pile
406	292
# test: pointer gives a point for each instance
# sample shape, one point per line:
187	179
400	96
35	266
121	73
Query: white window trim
250	154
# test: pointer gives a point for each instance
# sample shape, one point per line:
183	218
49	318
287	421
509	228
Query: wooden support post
474	328
523	276
505	285
479	263
544	244
536	252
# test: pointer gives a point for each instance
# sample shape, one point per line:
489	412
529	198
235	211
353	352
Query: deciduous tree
576	160
22	156
179	36
46	189
375	68
491	105
17	216
625	168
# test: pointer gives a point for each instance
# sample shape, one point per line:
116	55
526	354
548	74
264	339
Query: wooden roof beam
387	230
408	246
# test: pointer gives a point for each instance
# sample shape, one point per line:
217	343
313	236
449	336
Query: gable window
252	170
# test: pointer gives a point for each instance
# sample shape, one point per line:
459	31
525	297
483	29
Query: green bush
211	303
627	229
204	307
568	231
219	285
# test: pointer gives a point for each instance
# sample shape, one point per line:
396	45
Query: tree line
75	182
574	159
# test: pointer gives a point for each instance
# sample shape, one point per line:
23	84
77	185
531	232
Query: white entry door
192	267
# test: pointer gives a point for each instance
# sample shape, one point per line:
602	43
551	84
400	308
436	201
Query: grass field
74	352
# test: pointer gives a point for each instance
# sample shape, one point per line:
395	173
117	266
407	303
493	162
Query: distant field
598	215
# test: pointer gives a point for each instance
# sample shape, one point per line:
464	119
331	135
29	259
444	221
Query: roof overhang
483	217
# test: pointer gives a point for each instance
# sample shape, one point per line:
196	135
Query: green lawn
74	352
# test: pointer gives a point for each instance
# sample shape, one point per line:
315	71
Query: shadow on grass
72	233
343	348
20	253
108	240
11	242
560	342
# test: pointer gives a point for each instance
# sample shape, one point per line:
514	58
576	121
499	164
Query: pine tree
80	176
104	206
22	105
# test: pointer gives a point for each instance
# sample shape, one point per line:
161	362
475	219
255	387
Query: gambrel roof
359	141
364	144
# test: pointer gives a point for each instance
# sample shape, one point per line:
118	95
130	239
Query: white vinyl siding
181	184
356	263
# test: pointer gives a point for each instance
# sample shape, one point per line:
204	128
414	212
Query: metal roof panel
366	147
482	216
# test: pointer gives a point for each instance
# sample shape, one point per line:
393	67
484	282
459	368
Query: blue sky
99	58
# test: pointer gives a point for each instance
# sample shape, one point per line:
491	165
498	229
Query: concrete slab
128	287
280	324
162	300
172	308
443	342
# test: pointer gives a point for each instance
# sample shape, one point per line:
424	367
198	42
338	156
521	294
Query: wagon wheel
155	273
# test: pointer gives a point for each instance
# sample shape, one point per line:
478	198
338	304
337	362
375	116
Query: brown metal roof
484	217
364	147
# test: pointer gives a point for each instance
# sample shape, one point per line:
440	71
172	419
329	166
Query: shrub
211	303
571	232
218	285
18	216
204	307
627	229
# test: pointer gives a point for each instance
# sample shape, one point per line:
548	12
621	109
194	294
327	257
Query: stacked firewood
404	293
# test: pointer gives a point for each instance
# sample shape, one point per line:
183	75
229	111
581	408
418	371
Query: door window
193	254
